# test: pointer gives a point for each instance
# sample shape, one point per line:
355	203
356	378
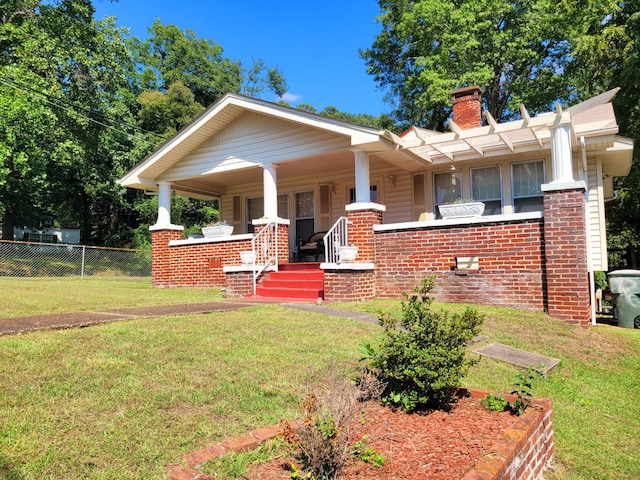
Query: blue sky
315	44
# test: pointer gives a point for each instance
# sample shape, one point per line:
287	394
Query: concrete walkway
58	321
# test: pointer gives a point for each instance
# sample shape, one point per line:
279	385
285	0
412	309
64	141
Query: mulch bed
435	444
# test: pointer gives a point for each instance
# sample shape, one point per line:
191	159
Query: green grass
36	296
121	400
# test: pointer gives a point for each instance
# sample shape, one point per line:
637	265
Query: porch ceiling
216	184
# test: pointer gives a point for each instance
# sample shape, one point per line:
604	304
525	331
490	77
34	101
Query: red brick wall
349	285
161	272
565	242
510	258
239	284
201	264
197	265
361	232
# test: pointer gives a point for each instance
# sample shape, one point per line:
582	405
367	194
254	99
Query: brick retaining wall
510	262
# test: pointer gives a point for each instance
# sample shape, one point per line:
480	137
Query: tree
170	55
516	50
166	113
606	52
65	103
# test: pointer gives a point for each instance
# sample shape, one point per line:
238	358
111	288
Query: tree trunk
8	223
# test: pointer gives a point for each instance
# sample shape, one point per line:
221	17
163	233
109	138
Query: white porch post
363	185
270	190
561	164
164	205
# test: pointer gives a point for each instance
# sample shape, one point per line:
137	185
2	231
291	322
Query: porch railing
336	237
265	251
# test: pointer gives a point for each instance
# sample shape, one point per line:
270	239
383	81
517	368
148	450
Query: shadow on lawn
6	470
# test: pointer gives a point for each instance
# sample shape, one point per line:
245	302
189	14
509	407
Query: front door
305	215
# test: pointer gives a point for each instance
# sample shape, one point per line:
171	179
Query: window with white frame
527	179
447	187
486	187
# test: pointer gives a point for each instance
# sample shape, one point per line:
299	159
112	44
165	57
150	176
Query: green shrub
422	356
495	403
600	279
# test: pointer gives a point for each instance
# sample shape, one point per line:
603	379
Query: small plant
368	455
330	408
422	357
219	223
495	403
523	389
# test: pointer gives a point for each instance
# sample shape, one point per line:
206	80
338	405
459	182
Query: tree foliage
534	52
606	51
61	76
516	50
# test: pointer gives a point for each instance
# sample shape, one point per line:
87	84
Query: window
255	209
486	186
527	178
447	187
373	194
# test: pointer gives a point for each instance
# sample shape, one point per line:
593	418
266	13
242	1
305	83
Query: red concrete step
297	275
295	281
287	267
297	293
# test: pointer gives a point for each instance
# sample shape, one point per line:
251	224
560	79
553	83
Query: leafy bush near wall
421	357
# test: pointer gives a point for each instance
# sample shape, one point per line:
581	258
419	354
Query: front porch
521	260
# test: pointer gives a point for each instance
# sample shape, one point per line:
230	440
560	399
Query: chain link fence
27	259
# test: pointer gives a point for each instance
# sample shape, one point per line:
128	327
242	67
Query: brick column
362	218
565	252
161	268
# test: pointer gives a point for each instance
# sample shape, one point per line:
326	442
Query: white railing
335	238
265	251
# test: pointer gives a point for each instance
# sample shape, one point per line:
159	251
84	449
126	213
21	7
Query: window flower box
461	210
217	230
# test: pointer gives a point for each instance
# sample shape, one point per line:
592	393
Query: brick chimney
467	107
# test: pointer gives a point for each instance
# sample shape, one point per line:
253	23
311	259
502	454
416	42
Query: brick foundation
349	285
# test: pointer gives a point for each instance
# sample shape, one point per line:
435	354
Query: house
281	174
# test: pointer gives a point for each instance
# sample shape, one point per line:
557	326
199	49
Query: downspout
592	281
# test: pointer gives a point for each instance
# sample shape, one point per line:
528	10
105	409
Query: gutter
592	281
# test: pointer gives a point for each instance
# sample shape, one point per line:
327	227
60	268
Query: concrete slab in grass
520	358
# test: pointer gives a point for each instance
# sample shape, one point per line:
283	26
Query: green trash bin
625	288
